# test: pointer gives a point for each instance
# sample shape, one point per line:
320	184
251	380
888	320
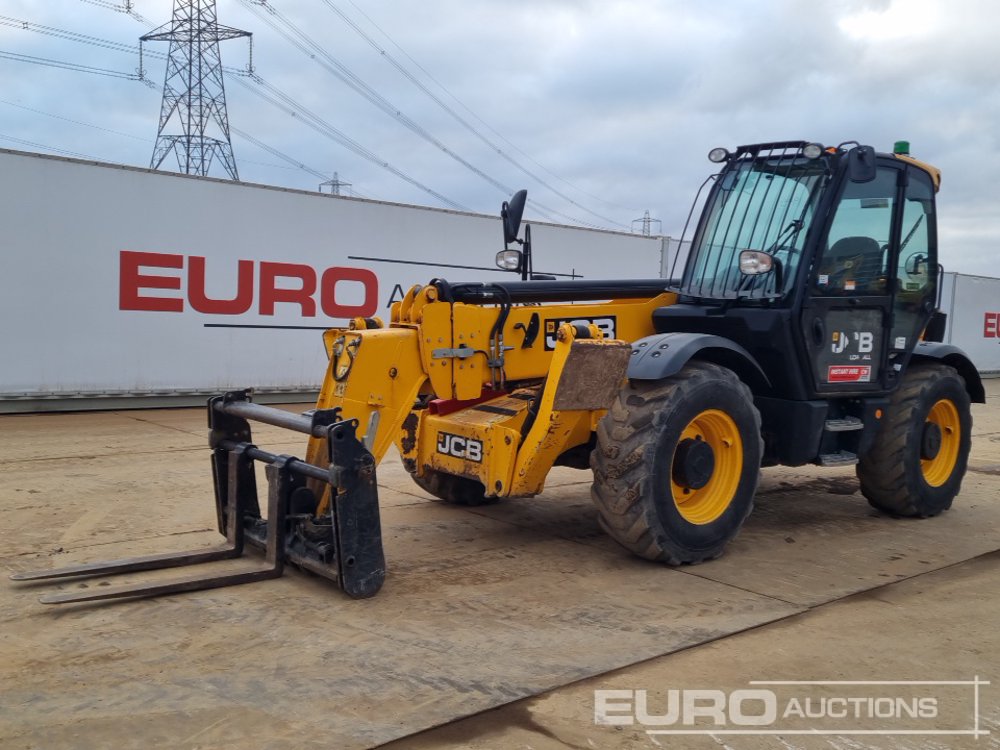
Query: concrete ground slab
483	607
939	626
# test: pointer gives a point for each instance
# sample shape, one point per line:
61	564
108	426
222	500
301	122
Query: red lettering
131	281
991	325
328	292
270	294
201	302
299	287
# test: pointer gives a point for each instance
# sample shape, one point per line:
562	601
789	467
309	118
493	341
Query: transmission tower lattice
193	91
335	185
646	224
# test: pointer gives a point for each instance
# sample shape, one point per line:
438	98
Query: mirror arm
526	254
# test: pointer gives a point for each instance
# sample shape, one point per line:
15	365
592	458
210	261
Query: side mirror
916	264
509	260
861	164
511	214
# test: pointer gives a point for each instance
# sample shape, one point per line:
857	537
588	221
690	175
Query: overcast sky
613	105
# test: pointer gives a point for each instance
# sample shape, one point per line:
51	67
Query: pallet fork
344	545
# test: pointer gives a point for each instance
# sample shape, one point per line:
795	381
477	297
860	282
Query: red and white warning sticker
849	374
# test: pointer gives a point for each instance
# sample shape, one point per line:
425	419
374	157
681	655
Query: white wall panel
973	307
66	224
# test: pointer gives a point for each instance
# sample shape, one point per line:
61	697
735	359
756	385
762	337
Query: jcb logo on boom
460	447
606	325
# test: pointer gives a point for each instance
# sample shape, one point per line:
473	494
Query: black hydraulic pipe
551	291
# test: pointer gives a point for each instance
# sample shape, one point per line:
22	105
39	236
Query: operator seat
853	259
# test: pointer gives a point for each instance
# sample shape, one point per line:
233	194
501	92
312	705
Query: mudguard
664	354
951	355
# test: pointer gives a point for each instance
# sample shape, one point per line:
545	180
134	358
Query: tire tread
623	460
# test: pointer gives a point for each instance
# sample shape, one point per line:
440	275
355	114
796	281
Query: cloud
615	100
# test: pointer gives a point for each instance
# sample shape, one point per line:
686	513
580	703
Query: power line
126	9
21	24
45	147
292	163
140	75
311	49
290	107
49	62
471	128
282	101
260	144
75	122
94	41
341	71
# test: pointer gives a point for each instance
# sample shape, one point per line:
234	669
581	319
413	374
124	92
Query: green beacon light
901	148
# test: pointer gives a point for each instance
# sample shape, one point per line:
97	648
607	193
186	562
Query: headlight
509	260
754	262
812	150
718	155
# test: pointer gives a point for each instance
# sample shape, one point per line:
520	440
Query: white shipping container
123	282
972	304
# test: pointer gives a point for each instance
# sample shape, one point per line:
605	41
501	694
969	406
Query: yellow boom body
459	397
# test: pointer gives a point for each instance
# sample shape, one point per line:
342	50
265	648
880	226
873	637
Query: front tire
918	459
677	463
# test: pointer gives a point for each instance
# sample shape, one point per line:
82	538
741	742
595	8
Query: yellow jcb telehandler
801	327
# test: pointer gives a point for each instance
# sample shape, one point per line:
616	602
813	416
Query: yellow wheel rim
705	504
937	470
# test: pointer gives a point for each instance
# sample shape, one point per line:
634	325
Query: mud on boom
802	328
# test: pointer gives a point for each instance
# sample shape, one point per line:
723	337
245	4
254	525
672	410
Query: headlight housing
718	155
812	150
755	262
509	260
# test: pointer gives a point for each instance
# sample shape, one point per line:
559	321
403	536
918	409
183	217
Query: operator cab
820	262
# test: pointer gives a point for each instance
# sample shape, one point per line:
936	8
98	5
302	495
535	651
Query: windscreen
765	203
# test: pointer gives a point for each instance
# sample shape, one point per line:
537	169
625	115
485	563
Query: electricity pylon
193	91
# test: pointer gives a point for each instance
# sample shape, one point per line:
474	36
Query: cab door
915	271
847	311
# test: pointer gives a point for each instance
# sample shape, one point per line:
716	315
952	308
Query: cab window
855	260
916	267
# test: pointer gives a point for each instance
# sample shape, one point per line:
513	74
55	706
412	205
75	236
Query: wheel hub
930	441
694	463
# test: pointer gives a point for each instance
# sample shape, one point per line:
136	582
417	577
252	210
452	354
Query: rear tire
660	492
453	489
918	459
